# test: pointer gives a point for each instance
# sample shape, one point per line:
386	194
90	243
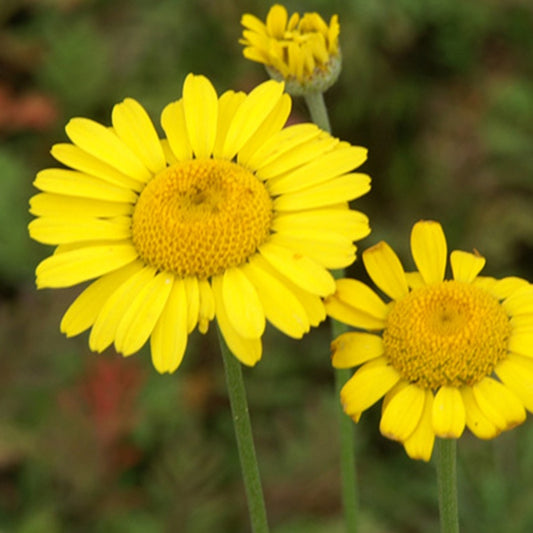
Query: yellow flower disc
201	217
448	334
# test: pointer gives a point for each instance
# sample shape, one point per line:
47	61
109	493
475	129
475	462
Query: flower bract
230	216
303	51
444	354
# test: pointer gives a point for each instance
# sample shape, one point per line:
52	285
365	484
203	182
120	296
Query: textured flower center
449	334
200	217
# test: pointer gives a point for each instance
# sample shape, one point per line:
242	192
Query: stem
319	115
447	481
317	110
245	443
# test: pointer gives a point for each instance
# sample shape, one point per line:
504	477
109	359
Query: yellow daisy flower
231	216
302	51
445	354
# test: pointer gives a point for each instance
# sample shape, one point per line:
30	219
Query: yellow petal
142	314
402	412
520	301
448	413
76	158
272	124
360	297
428	247
355	348
301	270
499	404
282	308
370	383
228	104
103	143
466	266
339	161
206	311
325	248
337	190
73	183
419	445
85	308
250	115
169	338
297	149
521	342
115	307
50	204
246	350
60	230
173	123
135	128
283	143
347	222
200	105
276	21
479	424
516	373
72	267
242	304
386	271
192	293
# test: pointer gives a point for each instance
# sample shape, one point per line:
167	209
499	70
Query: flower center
449	334
200	217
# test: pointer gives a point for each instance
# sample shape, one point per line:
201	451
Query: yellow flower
302	51
231	215
443	353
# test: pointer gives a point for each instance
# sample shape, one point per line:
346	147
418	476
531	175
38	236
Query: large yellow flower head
230	216
443	353
304	52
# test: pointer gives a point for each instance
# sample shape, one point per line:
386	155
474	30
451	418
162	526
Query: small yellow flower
302	51
445	354
231	216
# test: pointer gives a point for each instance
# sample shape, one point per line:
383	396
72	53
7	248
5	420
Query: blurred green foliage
442	95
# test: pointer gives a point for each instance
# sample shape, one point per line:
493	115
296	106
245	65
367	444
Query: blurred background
442	95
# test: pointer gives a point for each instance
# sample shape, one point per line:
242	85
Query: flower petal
419	445
206	310
448	413
228	104
49	204
520	301
135	128
402	412
499	404
466	266
72	267
249	116
111	313
282	308
479	424
370	383
139	320
200	106
301	270
169	338
74	157
521	342
105	145
516	373
246	350
242	304
428	247
355	348
386	271
173	123
85	308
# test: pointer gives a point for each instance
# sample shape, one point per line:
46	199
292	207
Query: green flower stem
317	110
347	444
447	481
245	443
319	115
